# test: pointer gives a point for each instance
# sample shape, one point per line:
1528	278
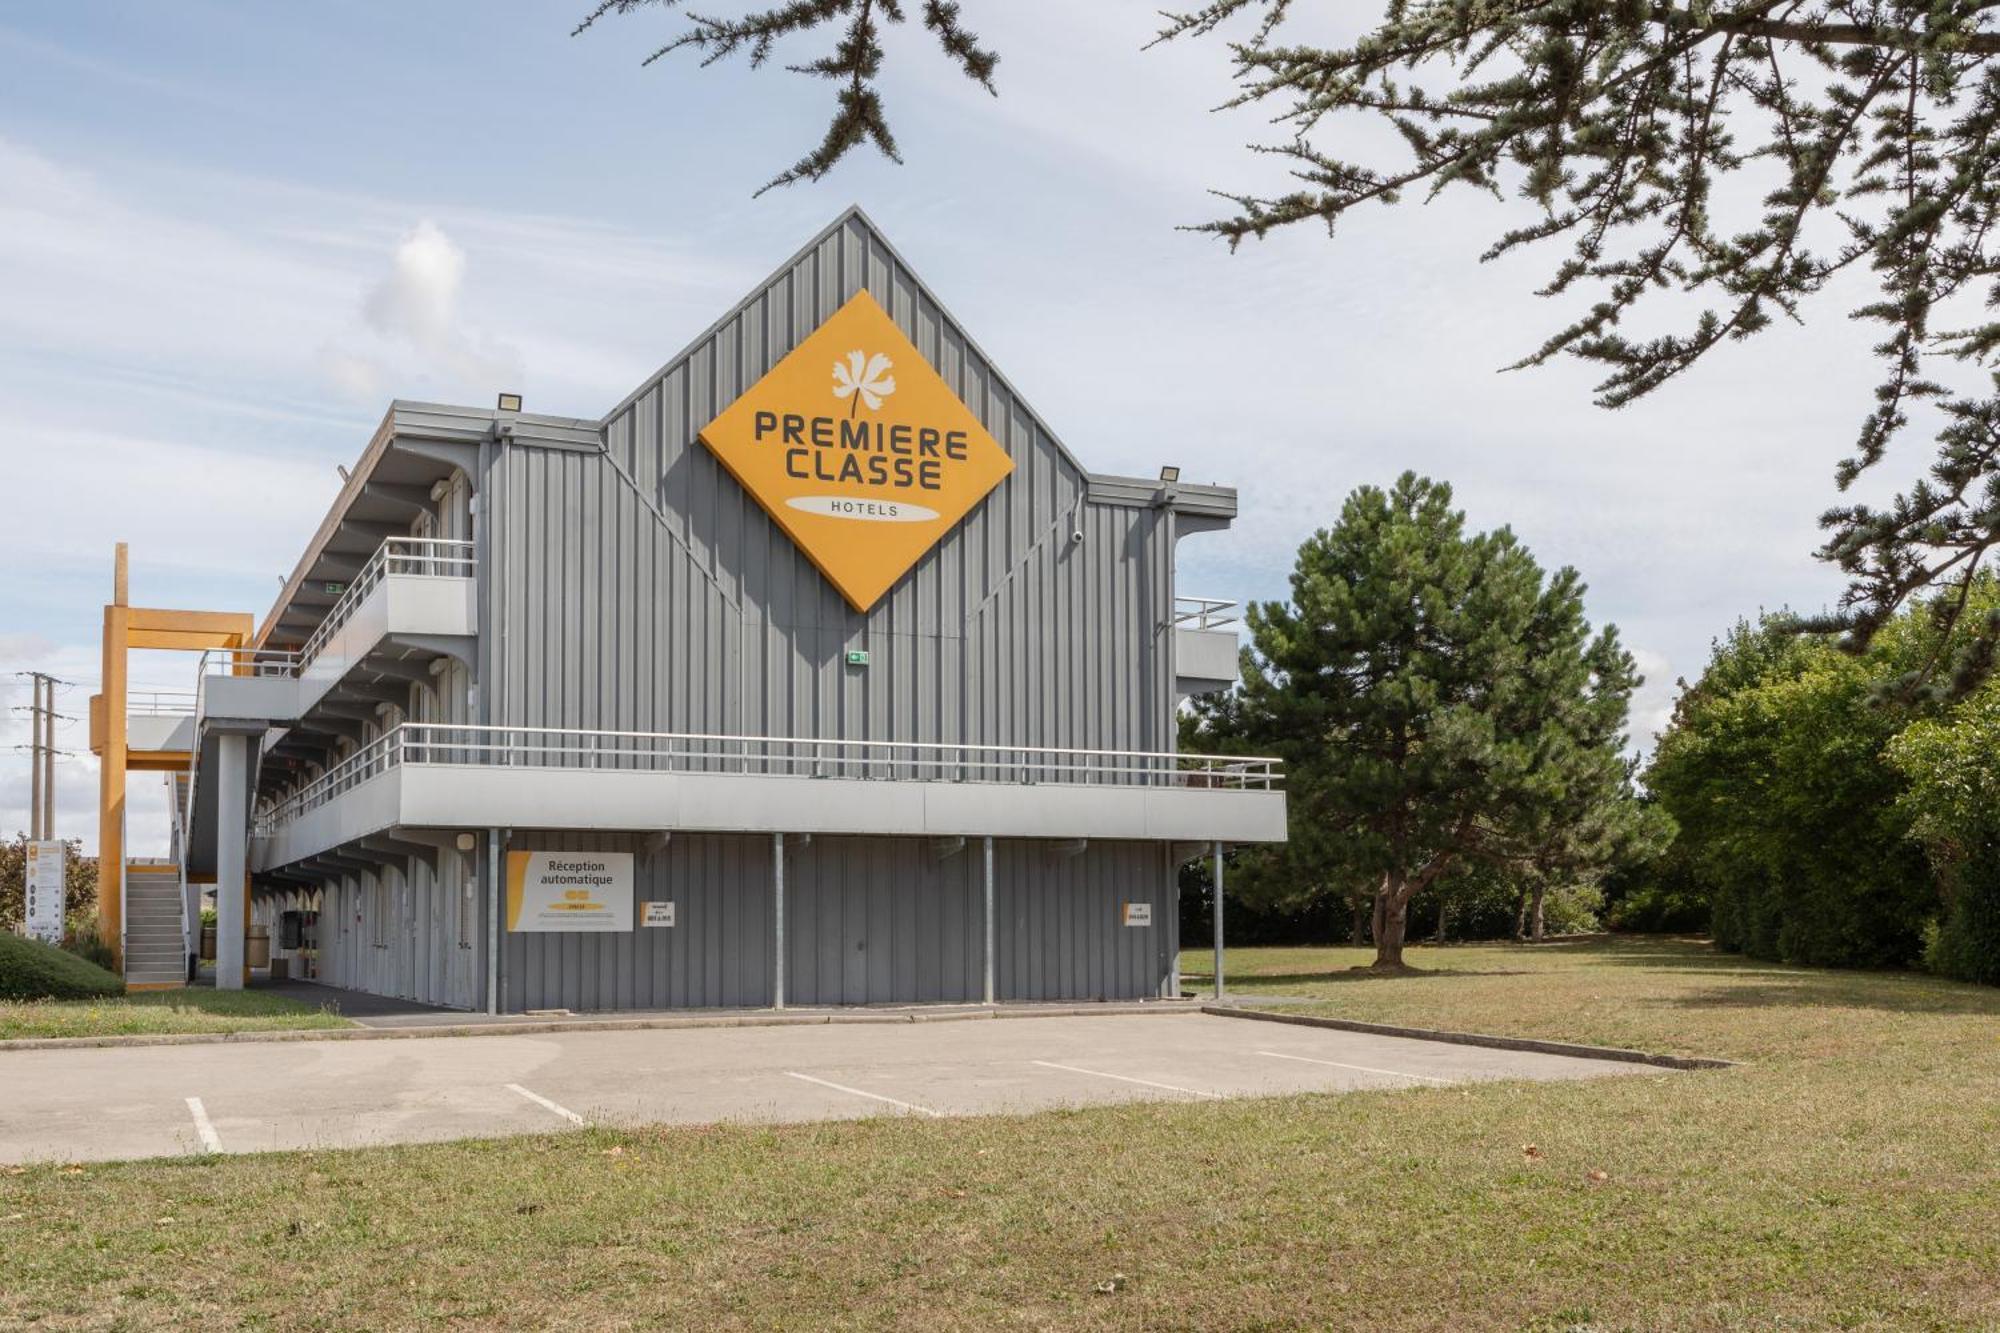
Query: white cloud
419	298
129	281
358	378
1653	703
26	649
415	315
184	505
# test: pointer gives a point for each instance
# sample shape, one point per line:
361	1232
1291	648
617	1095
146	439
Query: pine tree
1593	820
1435	698
1747	154
854	63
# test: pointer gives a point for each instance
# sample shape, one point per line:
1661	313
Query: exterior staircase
155	937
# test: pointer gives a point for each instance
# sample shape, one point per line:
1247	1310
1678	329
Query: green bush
31	970
1953	800
1790	814
83	940
1966	944
1660	909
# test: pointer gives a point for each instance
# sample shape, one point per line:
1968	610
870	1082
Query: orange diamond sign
859	450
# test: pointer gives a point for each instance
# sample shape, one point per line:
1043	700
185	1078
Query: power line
42	752
37	710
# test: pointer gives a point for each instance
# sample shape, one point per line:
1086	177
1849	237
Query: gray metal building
516	634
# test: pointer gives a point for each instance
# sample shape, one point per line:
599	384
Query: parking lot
153	1101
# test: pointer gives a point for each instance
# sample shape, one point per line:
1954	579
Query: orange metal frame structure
127	627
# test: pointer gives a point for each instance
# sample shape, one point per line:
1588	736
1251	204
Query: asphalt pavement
93	1104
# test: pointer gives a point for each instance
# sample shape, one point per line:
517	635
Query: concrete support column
496	905
987	849
190	922
778	920
232	848
1218	920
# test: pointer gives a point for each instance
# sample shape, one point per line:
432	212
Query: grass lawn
1848	1177
191	1010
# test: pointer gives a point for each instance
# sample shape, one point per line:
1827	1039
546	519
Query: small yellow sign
859	450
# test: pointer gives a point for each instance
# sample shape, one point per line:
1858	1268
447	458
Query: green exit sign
857	657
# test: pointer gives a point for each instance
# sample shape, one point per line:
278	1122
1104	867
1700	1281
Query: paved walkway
155	1101
365	1009
382	1011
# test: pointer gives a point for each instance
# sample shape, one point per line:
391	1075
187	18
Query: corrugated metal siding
419	936
867	921
642	588
881	920
718	952
1059	932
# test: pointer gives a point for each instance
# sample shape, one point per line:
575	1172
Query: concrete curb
544	1027
1477	1039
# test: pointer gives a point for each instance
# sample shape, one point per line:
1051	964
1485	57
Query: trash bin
280	970
257	947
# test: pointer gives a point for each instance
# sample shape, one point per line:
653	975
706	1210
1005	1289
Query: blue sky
230	233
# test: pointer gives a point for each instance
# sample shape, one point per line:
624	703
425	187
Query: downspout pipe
987	849
490	598
778	919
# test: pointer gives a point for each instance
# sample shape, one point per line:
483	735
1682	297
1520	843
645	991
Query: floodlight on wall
510	402
1170	475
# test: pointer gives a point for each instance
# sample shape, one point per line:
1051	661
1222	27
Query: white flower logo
863	379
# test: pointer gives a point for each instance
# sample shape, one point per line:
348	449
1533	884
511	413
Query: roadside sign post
42	918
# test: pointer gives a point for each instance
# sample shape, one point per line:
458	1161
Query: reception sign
859	450
569	891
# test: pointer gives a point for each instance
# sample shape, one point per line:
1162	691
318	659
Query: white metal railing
422	557
240	662
1204	613
159	703
248	662
418	557
445	743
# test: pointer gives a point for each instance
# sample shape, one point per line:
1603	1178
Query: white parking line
1365	1069
540	1100
871	1096
210	1140
1142	1082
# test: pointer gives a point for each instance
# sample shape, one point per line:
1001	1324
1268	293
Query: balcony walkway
442	776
